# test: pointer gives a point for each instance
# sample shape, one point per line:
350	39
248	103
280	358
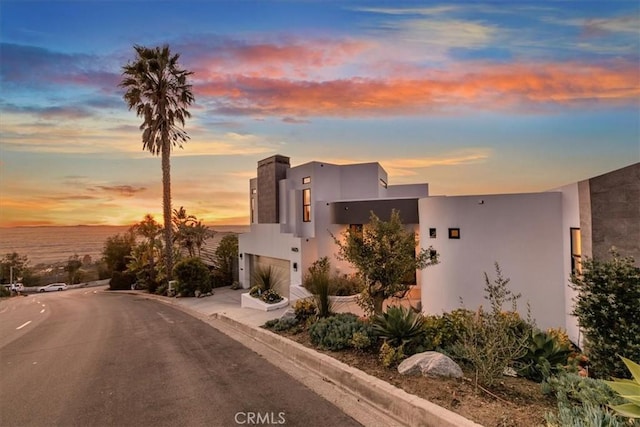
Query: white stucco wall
267	240
522	232
570	219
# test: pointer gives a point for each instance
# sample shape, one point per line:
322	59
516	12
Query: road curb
409	409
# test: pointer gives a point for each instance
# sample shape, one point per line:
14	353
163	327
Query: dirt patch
513	402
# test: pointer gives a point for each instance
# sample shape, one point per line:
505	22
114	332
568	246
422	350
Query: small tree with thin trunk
384	253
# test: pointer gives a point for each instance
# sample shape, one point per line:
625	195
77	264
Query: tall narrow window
306	205
253	209
576	251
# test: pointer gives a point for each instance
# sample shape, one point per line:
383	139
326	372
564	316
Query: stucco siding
522	232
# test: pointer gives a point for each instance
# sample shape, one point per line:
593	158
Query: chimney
270	171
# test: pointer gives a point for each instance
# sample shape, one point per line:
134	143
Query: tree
227	257
149	229
608	308
73	268
116	251
159	91
189	232
384	253
15	262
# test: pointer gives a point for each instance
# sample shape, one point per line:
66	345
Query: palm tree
158	90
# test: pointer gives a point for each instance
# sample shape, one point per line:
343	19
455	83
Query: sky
471	97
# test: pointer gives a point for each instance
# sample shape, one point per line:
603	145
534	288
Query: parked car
53	287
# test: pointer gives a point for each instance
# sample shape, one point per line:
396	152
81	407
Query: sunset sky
472	98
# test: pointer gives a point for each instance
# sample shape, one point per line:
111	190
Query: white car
53	287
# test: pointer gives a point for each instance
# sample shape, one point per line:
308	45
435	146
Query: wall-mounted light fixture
294	249
295	266
240	256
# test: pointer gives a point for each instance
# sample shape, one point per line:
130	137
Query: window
454	233
254	191
253	209
383	183
432	233
306	205
306	180
576	251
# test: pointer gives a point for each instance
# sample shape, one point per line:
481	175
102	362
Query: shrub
227	259
265	278
361	341
491	340
304	309
282	324
544	356
581	401
346	285
269	296
446	330
317	282
400	326
121	281
192	275
390	356
4	292
336	332
607	308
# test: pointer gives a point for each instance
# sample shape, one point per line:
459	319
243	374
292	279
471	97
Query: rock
432	364
509	372
198	293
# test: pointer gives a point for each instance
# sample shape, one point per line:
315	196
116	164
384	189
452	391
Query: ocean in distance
48	245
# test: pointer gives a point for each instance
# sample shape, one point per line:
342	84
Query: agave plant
544	354
400	326
629	390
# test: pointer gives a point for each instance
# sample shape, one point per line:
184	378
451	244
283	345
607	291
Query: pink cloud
523	86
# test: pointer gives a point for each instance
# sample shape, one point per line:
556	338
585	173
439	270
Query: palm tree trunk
166	204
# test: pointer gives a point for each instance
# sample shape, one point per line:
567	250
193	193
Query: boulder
431	364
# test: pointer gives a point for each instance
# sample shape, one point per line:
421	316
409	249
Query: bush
445	331
544	356
390	356
317	282
304	309
491	341
227	259
337	332
192	275
283	324
121	281
346	285
400	326
581	401
4	292
608	307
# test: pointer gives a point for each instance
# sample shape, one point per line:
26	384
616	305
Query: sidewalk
369	400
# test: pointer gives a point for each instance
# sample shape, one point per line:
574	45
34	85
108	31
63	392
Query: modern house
538	239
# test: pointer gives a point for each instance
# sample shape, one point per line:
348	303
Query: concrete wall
615	213
270	171
522	232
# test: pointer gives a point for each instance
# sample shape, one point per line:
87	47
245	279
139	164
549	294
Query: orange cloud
275	60
519	87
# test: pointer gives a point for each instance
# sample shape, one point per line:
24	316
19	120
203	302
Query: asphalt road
91	358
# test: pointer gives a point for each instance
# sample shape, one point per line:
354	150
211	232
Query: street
87	357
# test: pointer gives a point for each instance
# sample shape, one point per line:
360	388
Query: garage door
280	267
